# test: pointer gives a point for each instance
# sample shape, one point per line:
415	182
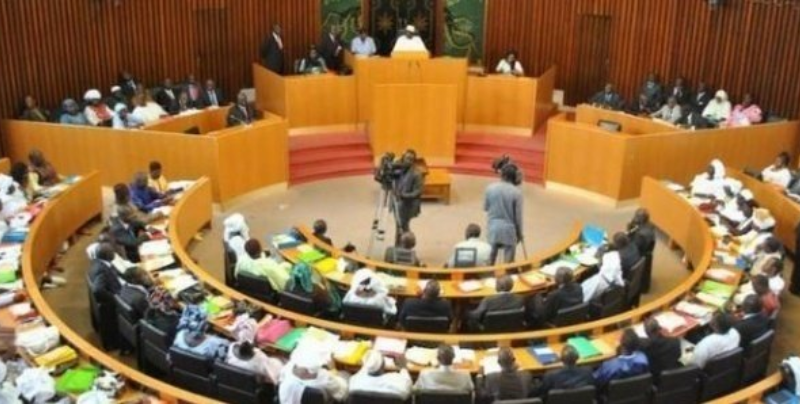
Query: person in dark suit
693	119
702	97
628	253
641	232
272	49
194	92
568	378
408	193
653	91
128	84
567	294
167	97
663	353
242	113
430	305
105	284
135	292
321	232
753	323
404	253
509	384
331	49
211	95
681	92
642	107
794	287
128	233
504	300
608	98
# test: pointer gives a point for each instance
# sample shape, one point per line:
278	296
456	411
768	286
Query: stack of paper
490	365
177	284
675	187
694	310
712	299
156	254
721	275
350	352
534	280
552	268
323	341
390	346
393	283
464	356
421	356
284	241
671	321
718	289
469	286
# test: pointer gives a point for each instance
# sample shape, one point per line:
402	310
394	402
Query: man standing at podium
272	51
331	49
410	42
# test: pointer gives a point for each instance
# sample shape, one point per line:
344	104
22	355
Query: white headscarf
366	278
719	169
735	186
372	362
92	95
235	225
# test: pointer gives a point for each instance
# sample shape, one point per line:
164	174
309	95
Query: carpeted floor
349	206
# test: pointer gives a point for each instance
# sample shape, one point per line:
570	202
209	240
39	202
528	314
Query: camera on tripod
389	170
505	161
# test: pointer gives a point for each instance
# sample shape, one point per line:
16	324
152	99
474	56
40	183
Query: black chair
443	397
504	321
678	386
633	390
297	304
127	324
191	371
756	359
363	315
313	396
611	302
230	265
722	375
359	397
256	287
647	277
94	309
104	315
582	395
633	289
235	385
438	324
153	350
525	401
573	315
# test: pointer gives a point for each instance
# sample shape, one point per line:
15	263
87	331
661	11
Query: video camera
505	161
389	170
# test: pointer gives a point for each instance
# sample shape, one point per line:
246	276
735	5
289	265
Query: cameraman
503	203
408	191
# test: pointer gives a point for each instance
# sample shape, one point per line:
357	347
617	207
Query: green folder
78	380
717	289
311	256
8	275
584	347
288	342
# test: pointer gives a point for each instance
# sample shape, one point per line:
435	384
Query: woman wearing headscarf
718	110
236	233
367	289
306	370
302	283
97	112
710	184
71	114
31	111
373	378
42	171
746	113
610	274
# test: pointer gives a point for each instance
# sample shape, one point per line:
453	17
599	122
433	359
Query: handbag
272	331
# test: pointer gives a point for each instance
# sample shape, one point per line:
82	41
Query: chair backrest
756	358
154	335
678	386
611	302
313	396
635	280
512	320
230	265
255	286
235	385
404	257
442	397
425	324
525	401
127	322
359	397
124	310
572	315
191	371
295	303
465	258
153	349
722	375
582	395
633	390
362	315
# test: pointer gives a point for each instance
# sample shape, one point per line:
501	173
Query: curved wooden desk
753	394
669	211
61	218
5	166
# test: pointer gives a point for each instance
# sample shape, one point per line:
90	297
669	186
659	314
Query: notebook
717	289
288	342
544	354
585	347
390	346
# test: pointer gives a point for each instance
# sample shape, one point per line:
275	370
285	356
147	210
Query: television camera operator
405	183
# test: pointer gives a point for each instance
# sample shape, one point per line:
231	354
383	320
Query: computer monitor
610	126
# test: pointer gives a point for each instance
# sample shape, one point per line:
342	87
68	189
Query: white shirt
149	113
392	383
483	249
260	364
291	387
404	44
505	68
781	177
610	274
671	115
364	47
717	111
132	121
444	379
378	300
714	345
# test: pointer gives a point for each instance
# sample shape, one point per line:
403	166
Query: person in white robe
610	274
778	174
305	370
367	289
410	42
373	378
711	183
719	109
236	233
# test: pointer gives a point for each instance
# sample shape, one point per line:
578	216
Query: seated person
129	233
321	232
185	105
702	97
739	220
510	65
374	378
430	305
313	63
504	300
21	175
662	353
200	343
769	250
236	233
671	112
124	119
123	205
211	96
642	107
302	283
722	339
773	271
363	45
445	378
509	384
653	91
163	312
242	113
681	91
629	254
71	114
367	289
718	110
156	179
259	265
31	111
566	295
146	109
135	290
608	99
746	113
117	97
306	370
409	41
13	198
105	279
245	356
483	250
42	171
145	198
778	174
693	119
97	112
629	362
569	377
403	254
167	97
770	304
608	276
753	323
642	232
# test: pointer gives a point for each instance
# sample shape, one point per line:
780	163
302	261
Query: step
329	168
307	142
527	157
338	155
500	141
328	176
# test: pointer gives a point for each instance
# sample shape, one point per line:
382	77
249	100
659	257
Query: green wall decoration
345	13
464	26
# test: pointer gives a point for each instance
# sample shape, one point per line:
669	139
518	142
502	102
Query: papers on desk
423	357
350	352
320	340
721	290
694	310
544	354
390	346
674	187
671	321
163	210
491	282
469	286
490	365
534	280
305	248
712	300
156	254
586	348
552	268
393	283
179	185
464	356
285	241
721	275
176	281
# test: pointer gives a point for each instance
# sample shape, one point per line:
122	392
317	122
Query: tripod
386	203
